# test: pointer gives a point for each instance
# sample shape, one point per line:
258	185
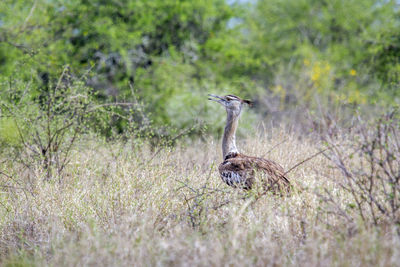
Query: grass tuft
115	206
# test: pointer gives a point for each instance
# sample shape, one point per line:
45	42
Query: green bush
9	134
175	52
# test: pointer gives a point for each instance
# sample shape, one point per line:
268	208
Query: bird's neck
229	139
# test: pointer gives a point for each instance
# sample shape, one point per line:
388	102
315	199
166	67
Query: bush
370	168
46	123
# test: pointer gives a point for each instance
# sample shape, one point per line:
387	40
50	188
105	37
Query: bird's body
241	171
245	172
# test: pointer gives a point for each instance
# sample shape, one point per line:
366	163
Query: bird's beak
216	98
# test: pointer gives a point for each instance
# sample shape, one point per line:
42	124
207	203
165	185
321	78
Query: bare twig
307	159
275	146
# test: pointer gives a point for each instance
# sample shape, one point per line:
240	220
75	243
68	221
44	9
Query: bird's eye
230	98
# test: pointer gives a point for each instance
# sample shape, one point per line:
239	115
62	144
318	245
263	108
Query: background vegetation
108	146
283	54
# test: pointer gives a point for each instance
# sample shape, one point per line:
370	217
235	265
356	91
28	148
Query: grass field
123	204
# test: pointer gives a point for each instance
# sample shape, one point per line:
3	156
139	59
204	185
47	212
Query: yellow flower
315	76
277	89
306	62
327	67
353	72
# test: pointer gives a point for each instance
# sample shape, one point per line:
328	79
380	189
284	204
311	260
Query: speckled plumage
244	172
241	171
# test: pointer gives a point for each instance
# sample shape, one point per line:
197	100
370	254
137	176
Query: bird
242	171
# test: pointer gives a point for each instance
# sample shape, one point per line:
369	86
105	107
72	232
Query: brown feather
253	171
242	171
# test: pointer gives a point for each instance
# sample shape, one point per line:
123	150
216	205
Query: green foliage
44	124
175	52
117	37
119	42
9	132
356	40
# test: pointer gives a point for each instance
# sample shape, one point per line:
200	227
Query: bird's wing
272	172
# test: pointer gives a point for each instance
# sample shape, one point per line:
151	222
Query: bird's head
233	104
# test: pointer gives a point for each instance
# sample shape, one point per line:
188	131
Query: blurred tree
174	52
114	37
115	42
352	36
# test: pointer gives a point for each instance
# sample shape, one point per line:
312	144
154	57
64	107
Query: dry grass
115	207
